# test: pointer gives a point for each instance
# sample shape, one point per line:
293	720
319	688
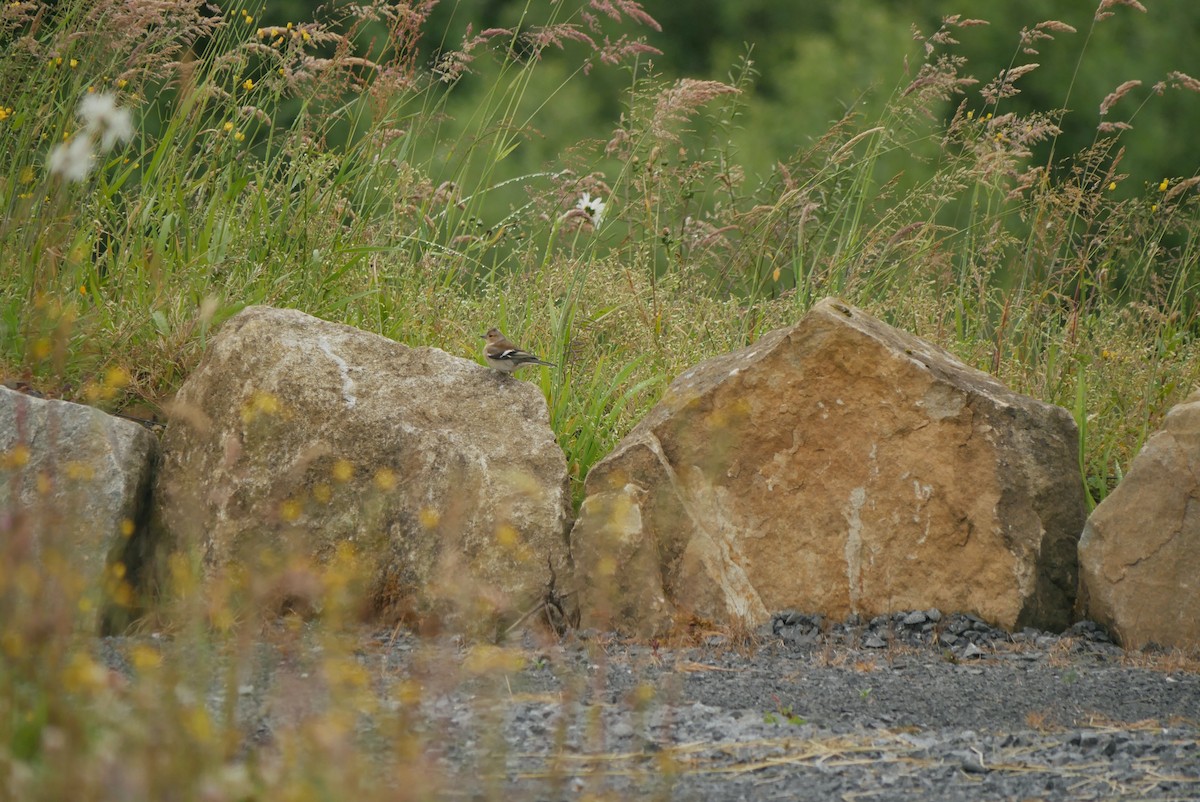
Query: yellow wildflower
343	470
385	479
290	510
116	377
146	658
83	674
247	84
17	457
1162	186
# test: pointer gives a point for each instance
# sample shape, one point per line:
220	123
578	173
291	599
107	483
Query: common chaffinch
505	356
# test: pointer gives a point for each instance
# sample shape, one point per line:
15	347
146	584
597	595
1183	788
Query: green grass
284	169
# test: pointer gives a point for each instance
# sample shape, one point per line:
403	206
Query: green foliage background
817	61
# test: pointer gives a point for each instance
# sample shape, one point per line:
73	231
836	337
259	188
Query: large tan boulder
1139	557
430	481
74	484
838	466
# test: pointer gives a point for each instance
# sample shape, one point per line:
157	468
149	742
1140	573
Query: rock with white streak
838	466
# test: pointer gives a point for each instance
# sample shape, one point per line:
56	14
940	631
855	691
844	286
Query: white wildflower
71	161
592	207
104	120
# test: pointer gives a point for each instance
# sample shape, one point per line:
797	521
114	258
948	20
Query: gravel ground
910	706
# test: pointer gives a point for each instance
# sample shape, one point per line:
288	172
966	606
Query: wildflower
228	127
290	510
238	136
5	113
72	160
1112	185
343	470
122	83
116	377
101	116
146	658
385	479
83	674
247	84
1153	207
1162	186
74	63
16	458
592	207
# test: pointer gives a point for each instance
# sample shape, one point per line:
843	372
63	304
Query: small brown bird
506	357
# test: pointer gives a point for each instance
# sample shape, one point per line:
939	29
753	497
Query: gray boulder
311	459
74	489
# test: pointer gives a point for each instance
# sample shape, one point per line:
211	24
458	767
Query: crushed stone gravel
915	705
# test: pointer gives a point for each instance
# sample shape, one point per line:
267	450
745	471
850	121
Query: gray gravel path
932	709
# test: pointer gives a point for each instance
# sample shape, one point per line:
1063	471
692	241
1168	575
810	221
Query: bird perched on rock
506	357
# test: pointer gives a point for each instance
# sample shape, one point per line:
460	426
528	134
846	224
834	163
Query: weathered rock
1139	557
434	482
838	466
74	487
